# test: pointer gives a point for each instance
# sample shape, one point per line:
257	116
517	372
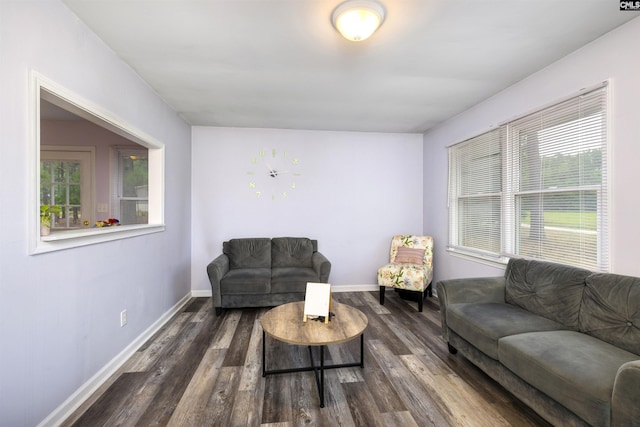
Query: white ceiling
281	64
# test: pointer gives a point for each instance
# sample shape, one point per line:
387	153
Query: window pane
74	217
74	194
60	186
479	223
560	227
560	148
134	174
74	172
566	155
475	181
131	199
134	212
60	194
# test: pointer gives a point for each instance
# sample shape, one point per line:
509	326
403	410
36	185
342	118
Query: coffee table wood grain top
284	323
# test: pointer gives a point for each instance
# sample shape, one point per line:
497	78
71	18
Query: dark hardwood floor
203	370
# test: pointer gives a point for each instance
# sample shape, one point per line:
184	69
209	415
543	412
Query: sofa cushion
291	252
246	281
575	369
483	324
248	253
611	310
550	290
291	279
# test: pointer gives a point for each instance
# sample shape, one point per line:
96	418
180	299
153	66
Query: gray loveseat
563	340
263	272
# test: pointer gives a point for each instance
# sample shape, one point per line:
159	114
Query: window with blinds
475	182
544	194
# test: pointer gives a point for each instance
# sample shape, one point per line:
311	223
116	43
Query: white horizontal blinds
558	170
475	177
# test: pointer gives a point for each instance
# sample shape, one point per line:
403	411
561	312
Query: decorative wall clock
273	174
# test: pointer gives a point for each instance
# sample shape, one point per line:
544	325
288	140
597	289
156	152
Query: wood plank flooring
204	370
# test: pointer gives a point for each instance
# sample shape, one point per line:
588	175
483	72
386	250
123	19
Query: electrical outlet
123	318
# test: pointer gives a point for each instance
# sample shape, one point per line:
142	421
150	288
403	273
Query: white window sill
66	239
499	262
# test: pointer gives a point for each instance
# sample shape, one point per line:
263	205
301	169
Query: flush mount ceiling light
356	20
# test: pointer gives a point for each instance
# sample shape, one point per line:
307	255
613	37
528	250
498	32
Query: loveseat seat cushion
574	369
550	290
291	279
248	253
611	310
291	252
483	324
246	281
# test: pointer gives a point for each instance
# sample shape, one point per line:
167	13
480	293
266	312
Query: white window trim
76	238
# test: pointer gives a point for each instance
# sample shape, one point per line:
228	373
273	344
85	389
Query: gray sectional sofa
563	340
264	272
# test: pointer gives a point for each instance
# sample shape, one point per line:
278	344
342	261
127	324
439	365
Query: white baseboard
201	293
66	409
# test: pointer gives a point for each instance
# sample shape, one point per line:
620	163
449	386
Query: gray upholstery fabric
611	310
260	300
457	291
485	323
321	264
216	271
625	409
246	281
542	404
291	279
550	290
573	368
248	253
587	374
242	276
291	252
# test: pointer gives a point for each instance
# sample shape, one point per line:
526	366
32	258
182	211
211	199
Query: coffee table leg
322	376
264	366
362	350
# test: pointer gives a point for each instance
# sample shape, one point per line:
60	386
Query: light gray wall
614	57
59	312
356	191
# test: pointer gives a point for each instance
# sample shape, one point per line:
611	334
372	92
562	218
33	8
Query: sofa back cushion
550	290
291	252
611	310
248	253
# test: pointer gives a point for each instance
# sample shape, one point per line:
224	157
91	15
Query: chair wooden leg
382	288
430	288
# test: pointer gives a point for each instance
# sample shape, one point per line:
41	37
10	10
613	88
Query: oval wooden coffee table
284	323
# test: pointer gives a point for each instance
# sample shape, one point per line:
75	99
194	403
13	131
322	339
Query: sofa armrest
321	266
478	289
625	410
216	270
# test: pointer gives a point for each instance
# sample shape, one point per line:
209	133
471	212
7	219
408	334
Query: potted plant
45	218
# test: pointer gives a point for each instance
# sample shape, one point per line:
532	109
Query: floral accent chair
410	267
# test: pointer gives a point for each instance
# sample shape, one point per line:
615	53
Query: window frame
42	87
85	155
510	191
117	179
